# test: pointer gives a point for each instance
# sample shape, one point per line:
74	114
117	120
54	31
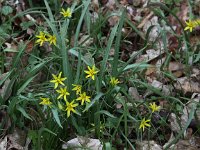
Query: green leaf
106	113
97	97
107	146
22	88
55	115
139	66
6	10
23	112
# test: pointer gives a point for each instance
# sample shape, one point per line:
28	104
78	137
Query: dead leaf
134	93
187	85
175	66
147	145
164	88
113	20
173	122
154	32
88	42
80	141
95	5
111	4
3	143
145	20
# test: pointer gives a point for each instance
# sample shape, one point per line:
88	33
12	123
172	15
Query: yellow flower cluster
144	123
192	24
63	93
43	37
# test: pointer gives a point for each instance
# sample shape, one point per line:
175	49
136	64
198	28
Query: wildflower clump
45	37
192	24
144	123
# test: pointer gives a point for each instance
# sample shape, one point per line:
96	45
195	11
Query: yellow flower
63	93
91	72
190	25
66	13
45	101
154	107
58	80
114	81
52	39
70	107
41	38
144	123
77	88
83	97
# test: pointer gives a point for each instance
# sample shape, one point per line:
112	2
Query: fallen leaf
80	141
153	35
134	93
113	20
3	143
164	88
173	122
147	145
187	85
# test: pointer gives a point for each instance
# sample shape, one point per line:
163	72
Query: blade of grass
106	53
86	5
117	44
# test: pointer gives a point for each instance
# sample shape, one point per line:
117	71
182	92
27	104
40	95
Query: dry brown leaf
3	143
164	88
155	31
95	5
80	141
134	93
145	20
175	66
147	145
111	4
113	20
184	145
88	42
187	85
173	122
